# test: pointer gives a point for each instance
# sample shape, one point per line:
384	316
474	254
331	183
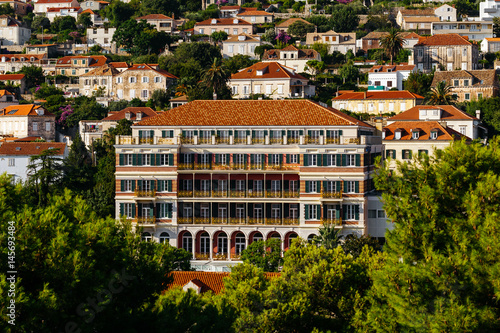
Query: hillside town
228	133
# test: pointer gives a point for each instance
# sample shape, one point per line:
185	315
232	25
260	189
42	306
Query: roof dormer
397	133
235	21
261	71
40	111
241	38
214	21
415	133
430	114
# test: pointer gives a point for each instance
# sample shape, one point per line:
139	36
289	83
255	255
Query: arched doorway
164	238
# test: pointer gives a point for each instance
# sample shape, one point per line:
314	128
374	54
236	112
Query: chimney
138	116
127	115
478	114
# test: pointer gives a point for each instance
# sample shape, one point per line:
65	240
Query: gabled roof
235	39
23	110
303	54
403	94
146	112
88	10
291	21
449	112
418	12
58	9
390	68
496	39
252	113
230	8
27	57
12	77
4	92
255	13
104	70
12	22
421	19
95	60
479	78
30	148
425	127
146	67
223	21
118	64
155	17
270	70
444	39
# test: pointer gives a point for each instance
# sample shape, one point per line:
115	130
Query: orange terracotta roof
58	9
255	13
145	67
90	11
493	39
53	1
444	39
30	148
449	112
95	60
28	139
23	110
147	112
252	113
4	92
421	19
271	70
207	281
392	68
223	21
14	77
41	45
119	64
425	128
230	7
248	38
155	17
403	94
410	35
291	21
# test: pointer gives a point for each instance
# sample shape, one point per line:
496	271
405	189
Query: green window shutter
356	212
339	159
160	185
298	159
195	133
139	159
184	134
134	159
358	159
343	160
356	186
252	158
245	159
228	159
328	133
318	212
122	208
152	159
235	134
325	185
151	211
170	159
344	212
319	158
163	134
122	185
151	134
197	184
318	186
266	133
289	133
169	185
248	132
133	210
321	132
301	132
325	159
140	134
263	159
218	133
338	186
217	158
306	160
122	158
169	210
410	153
139	184
271	135
139	208
340	132
281	158
287	158
253	134
133	185
283	132
287	185
337	211
306	212
159	208
157	159
394	154
308	186
309	133
171	134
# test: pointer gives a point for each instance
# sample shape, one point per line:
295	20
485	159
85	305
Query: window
313	160
294	185
350	186
350	160
132	79
312	212
188	211
269	89
157	79
257	213
467	96
144	93
313	187
464	52
434	135
479	95
390	153
294	159
423	152
463	130
128	210
280	89
145	79
234	90
35	126
119	80
240	185
450	52
381	214
466	83
389	84
202	31
127	186
223	211
47	126
187	241
257	185
415	135
12	162
63	71
351	212
235	31
294	211
164	159
73	72
75	62
230	48
455	83
164	238
104	82
406	154
242	49
226	30
146	159
372	213
246	90
331	160
131	93
276	159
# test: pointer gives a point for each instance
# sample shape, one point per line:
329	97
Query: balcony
185	220
223	140
146	219
219	194
146	141
273	194
333	141
145	194
274	167
256	166
187	141
202	220
202	194
255	194
237	220
202	166
337	222
221	167
239	166
293	141
204	141
276	141
289	221
219	220
185	194
240	141
202	256
238	194
258	141
185	166
291	194
312	140
332	195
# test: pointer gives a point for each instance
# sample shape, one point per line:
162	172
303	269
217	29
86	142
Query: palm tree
392	43
328	237
441	94
216	77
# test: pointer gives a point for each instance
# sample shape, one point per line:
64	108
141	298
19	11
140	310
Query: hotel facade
213	176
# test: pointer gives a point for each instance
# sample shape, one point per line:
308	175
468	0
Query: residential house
469	85
18	80
488	9
270	79
91	130
140	81
448	51
20	7
389	76
490	45
419	24
256	16
229	11
93	5
76	66
16	156
15	62
7	98
213	176
27	120
243	44
377	102
100	78
341	42
43	6
12	31
206	3
292	57
372	40
473	30
231	26
160	22
120	66
102	37
53	13
49	49
448	115
283	26
178	101
443	13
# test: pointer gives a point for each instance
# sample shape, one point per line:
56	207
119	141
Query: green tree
344	19
496	26
218	36
441	94
315	67
140	37
259	50
354	244
419	83
77	167
329	237
40	22
34	75
463	7
216	77
349	72
159	99
264	254
237	62
321	21
440	261
62	23
300	29
392	43
84	20
166	7
489	112
44	172
7	9
118	12
85	108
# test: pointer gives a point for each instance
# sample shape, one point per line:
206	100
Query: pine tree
78	170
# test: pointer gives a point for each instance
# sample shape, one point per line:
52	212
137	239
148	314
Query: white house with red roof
160	22
231	26
93	5
256	16
243	44
15	62
389	76
27	120
292	57
271	79
12	31
18	80
53	13
42	6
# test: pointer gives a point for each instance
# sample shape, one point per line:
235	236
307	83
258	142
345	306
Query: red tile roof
4	92
13	77
255	13
291	21
145	67
28	139
30	148
23	110
117	64
90	11
392	68
53	1
95	60
403	94
27	57
58	9
444	39
449	112
155	17
252	113
271	70
223	21
230	7
425	128
147	112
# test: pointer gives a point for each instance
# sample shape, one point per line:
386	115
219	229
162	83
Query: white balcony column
193	244
285	140
211	248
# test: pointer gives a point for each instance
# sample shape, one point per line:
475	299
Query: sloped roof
390	68
271	70
104	70
421	19
403	94
479	78
27	57
88	10
252	113
4	92
235	39
425	127
223	21
449	112
58	9
444	39
22	110
95	60
255	13
155	17
147	112
53	1
230	8
118	64
145	67
418	12
303	54
291	21
30	148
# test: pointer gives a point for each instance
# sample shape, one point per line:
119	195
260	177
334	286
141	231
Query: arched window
257	237
187	242
222	243
164	238
291	238
239	242
205	243
310	238
146	237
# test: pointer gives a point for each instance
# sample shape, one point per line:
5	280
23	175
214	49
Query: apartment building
372	40
100	78
53	13
20	8
241	44
473	30
376	102
43	6
76	66
211	177
256	16
15	62
102	37
231	26
160	22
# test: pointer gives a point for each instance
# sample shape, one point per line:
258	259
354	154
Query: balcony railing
185	166
223	140
255	194
332	221
354	141
332	195
238	194
204	141
291	194
143	194
148	141
240	141
219	220
221	167
258	141
237	220
290	221
146	219
276	141
219	194
202	194
239	166
202	256
184	194
312	140
256	166
293	141
185	220
241	194
202	166
202	220
187	141
273	194
334	141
